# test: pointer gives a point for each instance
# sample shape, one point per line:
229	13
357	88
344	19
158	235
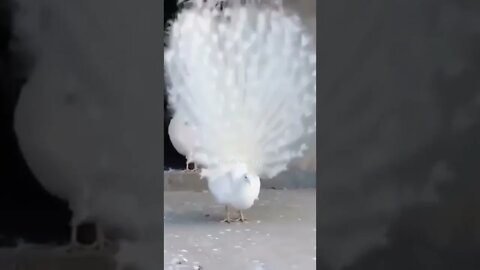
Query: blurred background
27	211
398	134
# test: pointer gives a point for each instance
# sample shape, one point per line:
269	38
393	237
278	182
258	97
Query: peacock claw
191	171
97	246
241	217
100	244
226	220
227	216
188	170
72	248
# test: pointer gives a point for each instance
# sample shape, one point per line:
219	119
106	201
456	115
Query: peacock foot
227	216
187	171
100	245
241	218
226	220
75	247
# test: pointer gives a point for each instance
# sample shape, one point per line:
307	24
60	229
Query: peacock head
249	182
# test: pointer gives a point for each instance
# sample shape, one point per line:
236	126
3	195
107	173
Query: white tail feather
245	78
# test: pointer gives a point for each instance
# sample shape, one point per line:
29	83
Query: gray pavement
280	233
54	258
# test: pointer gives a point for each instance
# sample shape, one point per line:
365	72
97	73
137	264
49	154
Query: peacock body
181	137
243	76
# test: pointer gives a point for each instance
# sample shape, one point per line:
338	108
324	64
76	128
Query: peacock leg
186	166
227	215
73	245
241	218
101	242
195	167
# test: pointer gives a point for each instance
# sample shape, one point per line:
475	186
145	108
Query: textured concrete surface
279	234
54	258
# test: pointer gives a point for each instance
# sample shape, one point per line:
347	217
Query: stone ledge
178	181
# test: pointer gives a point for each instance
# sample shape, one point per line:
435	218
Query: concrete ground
54	258
280	233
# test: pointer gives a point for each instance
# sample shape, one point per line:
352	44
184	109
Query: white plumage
181	136
244	78
87	118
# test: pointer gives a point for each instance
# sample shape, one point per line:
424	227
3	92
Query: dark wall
26	209
172	158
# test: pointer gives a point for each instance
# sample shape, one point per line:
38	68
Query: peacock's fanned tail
244	77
